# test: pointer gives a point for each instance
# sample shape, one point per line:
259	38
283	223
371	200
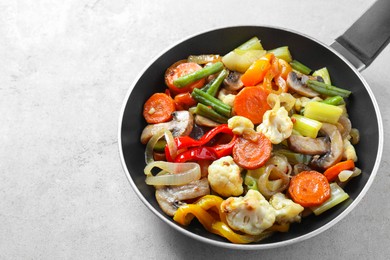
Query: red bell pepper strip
186	142
197	153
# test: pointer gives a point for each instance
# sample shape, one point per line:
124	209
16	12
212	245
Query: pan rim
255	246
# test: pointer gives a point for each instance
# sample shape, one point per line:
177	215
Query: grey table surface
65	68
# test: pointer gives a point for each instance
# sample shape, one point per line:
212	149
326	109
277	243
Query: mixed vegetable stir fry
249	142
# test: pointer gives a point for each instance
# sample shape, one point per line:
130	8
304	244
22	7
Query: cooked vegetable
180	69
305	125
251	102
181	124
297	82
211	101
328	90
225	177
256	72
324	74
186	79
309	188
332	172
214	87
337	196
282	53
251	154
210	113
251	214
184	101
322	112
158	108
335	100
262	129
296	65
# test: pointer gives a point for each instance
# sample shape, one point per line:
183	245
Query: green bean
208	112
197	75
335	101
296	65
294	158
208	100
326	89
213	89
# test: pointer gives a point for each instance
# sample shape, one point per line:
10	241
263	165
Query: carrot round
250	154
309	188
332	172
251	102
158	108
184	101
179	69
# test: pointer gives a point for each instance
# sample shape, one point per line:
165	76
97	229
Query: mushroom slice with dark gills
170	198
233	81
334	155
181	124
297	82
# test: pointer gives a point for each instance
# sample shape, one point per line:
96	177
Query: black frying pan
359	48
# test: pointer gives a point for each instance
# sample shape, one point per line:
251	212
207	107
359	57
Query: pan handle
367	37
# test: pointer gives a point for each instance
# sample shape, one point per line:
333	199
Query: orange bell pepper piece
256	72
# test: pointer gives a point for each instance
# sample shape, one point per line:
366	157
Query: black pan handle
367	37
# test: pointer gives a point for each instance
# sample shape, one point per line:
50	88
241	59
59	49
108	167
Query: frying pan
349	54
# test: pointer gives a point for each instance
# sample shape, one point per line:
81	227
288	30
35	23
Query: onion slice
155	138
172	173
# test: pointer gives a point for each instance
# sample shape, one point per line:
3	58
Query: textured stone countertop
65	68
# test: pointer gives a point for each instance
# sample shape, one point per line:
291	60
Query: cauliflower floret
225	177
276	125
240	125
286	210
349	151
226	97
251	214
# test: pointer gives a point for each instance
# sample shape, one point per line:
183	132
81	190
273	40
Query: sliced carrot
158	108
184	101
332	172
179	69
256	72
309	188
251	102
252	154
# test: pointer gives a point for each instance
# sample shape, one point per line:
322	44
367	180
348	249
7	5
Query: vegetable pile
248	143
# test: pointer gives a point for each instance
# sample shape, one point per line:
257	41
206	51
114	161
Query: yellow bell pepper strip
224	230
280	227
186	213
211	202
256	72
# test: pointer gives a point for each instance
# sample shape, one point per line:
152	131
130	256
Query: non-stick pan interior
361	110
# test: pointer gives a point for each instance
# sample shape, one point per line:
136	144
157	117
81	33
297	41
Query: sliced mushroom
307	145
233	81
204	121
297	82
180	125
344	125
336	148
170	198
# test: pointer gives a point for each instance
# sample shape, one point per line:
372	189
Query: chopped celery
322	112
251	182
337	196
282	53
306	126
294	158
296	65
240	60
252	44
324	74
